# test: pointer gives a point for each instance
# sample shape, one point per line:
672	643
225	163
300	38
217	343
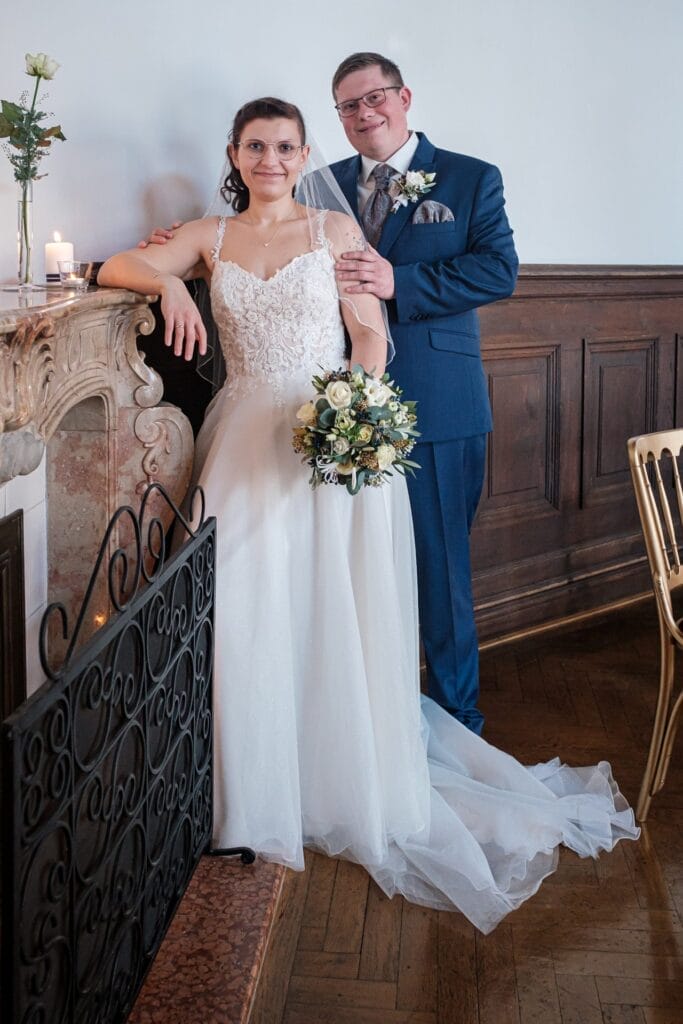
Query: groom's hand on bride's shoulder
365	271
160	236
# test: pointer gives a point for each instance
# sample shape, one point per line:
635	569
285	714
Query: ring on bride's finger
179	325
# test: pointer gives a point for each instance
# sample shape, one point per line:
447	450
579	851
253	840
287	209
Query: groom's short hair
358	61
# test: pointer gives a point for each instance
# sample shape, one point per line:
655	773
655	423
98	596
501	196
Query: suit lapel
347	178
423	160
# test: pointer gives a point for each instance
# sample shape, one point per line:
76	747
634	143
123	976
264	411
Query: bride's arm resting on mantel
362	313
160	270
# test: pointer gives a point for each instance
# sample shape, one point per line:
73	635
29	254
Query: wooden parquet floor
601	943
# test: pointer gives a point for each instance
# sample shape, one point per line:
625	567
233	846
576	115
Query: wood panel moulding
578	360
523	465
620	401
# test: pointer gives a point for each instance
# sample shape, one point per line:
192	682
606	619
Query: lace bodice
280	329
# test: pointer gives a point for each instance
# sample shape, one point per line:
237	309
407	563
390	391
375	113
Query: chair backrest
655	470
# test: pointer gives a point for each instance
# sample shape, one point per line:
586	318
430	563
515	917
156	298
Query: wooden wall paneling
619	401
522	476
578	360
678	369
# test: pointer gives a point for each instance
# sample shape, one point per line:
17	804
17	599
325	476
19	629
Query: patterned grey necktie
378	205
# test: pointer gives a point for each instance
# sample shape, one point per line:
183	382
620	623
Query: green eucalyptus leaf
327	417
373	414
360	479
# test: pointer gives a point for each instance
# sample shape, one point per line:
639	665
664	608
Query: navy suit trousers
444	495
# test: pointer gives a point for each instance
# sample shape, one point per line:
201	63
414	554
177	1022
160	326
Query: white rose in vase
39	65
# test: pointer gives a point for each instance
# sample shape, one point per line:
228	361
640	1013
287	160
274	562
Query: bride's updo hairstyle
233	190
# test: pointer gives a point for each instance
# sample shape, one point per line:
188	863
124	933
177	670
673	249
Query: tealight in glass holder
75	274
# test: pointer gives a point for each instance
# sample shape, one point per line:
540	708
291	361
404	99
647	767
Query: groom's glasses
371	99
256	148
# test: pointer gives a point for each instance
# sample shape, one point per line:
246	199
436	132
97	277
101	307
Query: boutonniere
410	186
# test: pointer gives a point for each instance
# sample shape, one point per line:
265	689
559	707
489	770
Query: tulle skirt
322	738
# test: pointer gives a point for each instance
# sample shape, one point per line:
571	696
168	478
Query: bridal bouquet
356	430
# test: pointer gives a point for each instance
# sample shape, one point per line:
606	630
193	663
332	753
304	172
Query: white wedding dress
321	736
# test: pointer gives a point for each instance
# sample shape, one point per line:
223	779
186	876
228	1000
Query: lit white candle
55	251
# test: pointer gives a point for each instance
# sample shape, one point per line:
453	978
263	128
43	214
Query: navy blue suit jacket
443	272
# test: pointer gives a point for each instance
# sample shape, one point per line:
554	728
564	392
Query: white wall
578	101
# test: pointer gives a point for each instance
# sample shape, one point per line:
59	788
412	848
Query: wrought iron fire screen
107	782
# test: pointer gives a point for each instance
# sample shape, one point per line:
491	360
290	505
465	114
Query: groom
434	261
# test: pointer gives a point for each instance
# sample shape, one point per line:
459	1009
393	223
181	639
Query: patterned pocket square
431	212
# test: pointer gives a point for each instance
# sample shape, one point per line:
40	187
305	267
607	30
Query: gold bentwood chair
654	461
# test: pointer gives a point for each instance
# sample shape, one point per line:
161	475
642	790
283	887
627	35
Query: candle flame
56	236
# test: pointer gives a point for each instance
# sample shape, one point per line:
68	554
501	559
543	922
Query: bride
321	736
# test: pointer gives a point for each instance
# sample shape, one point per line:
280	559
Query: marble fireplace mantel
82	420
58	349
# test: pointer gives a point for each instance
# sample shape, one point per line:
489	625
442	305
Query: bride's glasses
257	148
371	99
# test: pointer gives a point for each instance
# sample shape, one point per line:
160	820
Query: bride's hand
184	325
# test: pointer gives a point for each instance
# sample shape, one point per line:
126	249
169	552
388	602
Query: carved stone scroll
72	380
54	357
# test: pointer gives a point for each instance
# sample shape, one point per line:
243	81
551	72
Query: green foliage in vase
29	139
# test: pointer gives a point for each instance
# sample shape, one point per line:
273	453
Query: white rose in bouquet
340	446
386	454
376	393
339	394
364	433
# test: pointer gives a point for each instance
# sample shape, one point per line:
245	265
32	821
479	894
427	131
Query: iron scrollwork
107	799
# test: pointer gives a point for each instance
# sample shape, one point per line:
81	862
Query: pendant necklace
275	233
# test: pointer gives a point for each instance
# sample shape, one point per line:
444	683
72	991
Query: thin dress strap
321	238
220	231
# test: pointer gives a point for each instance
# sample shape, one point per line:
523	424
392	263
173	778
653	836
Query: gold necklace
275	233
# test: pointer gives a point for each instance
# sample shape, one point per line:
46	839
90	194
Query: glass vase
25	235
